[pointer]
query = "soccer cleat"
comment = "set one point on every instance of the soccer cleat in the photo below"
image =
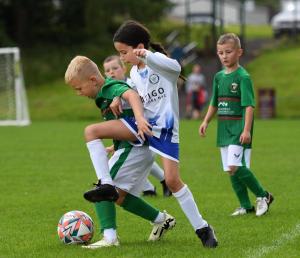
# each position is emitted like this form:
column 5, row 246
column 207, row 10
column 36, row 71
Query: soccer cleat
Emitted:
column 102, row 243
column 207, row 236
column 150, row 192
column 262, row 204
column 159, row 229
column 102, row 192
column 242, row 211
column 166, row 190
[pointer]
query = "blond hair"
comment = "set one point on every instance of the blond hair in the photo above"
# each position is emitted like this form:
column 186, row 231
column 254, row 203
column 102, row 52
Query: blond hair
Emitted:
column 225, row 38
column 81, row 67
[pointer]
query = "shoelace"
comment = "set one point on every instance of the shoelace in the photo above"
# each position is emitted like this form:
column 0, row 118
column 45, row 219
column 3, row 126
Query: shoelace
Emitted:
column 260, row 202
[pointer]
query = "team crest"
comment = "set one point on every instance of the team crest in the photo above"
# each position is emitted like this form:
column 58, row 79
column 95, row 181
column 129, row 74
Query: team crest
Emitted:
column 233, row 88
column 154, row 78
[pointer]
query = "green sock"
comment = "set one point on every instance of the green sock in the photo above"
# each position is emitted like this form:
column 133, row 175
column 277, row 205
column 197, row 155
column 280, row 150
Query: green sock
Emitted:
column 139, row 207
column 241, row 192
column 248, row 178
column 106, row 213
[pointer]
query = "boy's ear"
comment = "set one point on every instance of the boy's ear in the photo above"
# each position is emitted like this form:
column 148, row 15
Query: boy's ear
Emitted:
column 140, row 46
column 241, row 51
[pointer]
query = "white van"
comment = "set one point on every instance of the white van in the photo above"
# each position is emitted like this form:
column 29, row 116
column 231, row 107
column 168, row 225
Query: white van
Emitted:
column 287, row 21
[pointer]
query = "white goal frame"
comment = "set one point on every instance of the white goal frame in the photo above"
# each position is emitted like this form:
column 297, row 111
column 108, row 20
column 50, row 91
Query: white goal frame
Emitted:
column 21, row 116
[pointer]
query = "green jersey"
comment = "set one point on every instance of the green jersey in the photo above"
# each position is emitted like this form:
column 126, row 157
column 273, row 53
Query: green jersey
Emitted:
column 111, row 89
column 232, row 93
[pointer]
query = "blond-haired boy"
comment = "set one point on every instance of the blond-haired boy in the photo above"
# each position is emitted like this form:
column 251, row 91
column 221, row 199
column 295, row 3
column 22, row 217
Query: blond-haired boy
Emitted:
column 233, row 100
column 129, row 166
column 85, row 78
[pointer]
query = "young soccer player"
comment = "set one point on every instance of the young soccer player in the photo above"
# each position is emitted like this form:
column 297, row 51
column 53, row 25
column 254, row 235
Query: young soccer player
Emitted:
column 233, row 100
column 155, row 77
column 115, row 68
column 92, row 84
column 129, row 166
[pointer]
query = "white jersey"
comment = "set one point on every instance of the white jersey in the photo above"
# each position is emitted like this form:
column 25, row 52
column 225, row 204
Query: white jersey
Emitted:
column 157, row 86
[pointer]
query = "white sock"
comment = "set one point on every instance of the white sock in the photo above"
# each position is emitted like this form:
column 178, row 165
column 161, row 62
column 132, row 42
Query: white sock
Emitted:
column 99, row 159
column 189, row 207
column 110, row 234
column 148, row 186
column 157, row 172
column 160, row 218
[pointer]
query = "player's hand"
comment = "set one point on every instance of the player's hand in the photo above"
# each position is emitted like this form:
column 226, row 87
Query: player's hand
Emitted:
column 245, row 137
column 110, row 149
column 143, row 128
column 140, row 52
column 202, row 128
column 116, row 106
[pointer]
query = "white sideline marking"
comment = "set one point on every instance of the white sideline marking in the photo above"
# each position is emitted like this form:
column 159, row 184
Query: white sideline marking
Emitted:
column 277, row 243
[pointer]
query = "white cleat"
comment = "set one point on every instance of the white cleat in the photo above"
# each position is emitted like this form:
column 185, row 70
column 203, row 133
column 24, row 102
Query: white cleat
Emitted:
column 159, row 229
column 262, row 204
column 102, row 243
column 242, row 211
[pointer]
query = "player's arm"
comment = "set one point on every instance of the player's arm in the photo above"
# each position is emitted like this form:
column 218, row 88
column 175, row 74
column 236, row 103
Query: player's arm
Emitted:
column 209, row 115
column 136, row 104
column 158, row 61
column 246, row 134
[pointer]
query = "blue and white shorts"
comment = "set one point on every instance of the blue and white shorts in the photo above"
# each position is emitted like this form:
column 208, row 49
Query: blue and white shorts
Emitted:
column 162, row 146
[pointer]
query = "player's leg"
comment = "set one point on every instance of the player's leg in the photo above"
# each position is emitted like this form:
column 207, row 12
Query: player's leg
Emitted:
column 236, row 157
column 129, row 169
column 187, row 203
column 114, row 129
column 158, row 173
column 106, row 214
column 149, row 189
column 238, row 186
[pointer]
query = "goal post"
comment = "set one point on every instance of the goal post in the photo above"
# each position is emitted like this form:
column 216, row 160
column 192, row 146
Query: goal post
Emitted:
column 13, row 99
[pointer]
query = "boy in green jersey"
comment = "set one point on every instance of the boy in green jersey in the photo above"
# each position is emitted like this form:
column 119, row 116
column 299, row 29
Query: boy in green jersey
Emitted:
column 233, row 101
column 129, row 165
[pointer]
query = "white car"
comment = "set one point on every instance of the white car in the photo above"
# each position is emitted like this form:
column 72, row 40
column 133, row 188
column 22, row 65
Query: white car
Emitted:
column 285, row 22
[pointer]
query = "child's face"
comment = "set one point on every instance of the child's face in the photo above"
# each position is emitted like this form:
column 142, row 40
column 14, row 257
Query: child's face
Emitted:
column 229, row 54
column 114, row 69
column 87, row 88
column 126, row 53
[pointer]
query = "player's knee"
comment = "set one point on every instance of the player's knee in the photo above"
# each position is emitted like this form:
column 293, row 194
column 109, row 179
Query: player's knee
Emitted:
column 173, row 183
column 90, row 132
column 122, row 195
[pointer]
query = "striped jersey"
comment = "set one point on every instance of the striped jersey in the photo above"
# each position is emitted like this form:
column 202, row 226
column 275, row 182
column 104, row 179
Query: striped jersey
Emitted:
column 231, row 94
column 157, row 87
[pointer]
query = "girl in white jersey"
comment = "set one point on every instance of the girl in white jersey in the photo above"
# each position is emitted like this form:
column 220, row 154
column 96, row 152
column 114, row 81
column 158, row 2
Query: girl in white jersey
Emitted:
column 155, row 77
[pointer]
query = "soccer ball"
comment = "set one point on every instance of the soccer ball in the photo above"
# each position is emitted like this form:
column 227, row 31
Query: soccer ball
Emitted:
column 75, row 227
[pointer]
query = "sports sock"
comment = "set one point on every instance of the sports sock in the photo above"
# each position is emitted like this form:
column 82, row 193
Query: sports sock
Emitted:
column 110, row 234
column 106, row 214
column 241, row 192
column 157, row 172
column 189, row 207
column 160, row 218
column 99, row 159
column 139, row 207
column 248, row 178
column 148, row 186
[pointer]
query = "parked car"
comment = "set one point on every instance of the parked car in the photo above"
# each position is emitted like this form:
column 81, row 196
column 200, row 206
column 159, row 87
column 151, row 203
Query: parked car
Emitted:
column 286, row 22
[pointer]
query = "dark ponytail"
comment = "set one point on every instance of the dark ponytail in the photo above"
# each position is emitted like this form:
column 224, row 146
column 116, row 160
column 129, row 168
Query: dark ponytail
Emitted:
column 132, row 33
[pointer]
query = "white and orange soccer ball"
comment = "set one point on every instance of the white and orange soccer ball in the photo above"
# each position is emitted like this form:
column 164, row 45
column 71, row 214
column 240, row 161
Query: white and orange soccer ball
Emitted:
column 75, row 227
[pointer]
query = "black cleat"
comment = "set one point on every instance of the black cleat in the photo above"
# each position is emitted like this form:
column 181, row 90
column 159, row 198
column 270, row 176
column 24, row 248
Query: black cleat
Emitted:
column 207, row 236
column 102, row 192
column 166, row 190
column 150, row 192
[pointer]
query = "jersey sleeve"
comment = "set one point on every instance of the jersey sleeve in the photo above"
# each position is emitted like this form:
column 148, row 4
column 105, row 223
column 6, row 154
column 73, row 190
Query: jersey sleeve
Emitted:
column 119, row 89
column 247, row 93
column 161, row 63
column 214, row 97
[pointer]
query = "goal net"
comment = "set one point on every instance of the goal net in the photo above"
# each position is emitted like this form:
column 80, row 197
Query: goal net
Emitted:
column 13, row 100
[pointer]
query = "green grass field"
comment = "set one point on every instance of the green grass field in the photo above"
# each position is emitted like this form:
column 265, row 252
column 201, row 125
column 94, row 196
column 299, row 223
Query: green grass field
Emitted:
column 45, row 168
